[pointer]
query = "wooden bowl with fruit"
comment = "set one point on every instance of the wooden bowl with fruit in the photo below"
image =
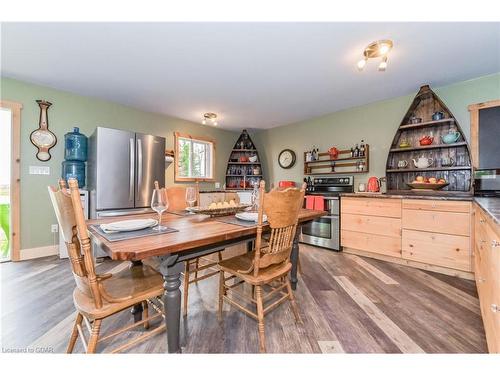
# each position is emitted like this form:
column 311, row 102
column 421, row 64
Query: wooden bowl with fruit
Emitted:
column 427, row 183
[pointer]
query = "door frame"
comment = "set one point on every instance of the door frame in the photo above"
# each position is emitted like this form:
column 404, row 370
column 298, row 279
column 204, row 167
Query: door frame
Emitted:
column 474, row 127
column 15, row 178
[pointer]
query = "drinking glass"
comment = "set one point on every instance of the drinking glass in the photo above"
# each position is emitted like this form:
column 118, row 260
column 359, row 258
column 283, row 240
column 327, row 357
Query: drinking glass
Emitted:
column 159, row 203
column 190, row 196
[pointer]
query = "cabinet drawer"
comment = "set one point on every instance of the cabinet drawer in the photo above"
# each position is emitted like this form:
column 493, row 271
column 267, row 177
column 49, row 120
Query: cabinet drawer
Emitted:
column 435, row 248
column 386, row 226
column 387, row 207
column 437, row 205
column 439, row 222
column 374, row 243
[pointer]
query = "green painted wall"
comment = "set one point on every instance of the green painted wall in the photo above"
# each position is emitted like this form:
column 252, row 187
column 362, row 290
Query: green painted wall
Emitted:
column 69, row 110
column 376, row 123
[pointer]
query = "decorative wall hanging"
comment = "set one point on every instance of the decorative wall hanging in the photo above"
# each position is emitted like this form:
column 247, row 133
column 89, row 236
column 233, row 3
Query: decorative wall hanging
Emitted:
column 42, row 138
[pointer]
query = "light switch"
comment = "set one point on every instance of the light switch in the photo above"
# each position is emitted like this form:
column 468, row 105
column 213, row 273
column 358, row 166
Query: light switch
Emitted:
column 36, row 169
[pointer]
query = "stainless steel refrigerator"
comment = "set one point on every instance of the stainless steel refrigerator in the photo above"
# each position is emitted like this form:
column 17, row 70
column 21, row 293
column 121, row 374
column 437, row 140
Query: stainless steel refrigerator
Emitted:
column 122, row 167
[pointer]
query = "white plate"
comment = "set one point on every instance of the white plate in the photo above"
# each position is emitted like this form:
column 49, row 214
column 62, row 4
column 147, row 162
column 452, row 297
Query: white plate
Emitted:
column 129, row 225
column 250, row 216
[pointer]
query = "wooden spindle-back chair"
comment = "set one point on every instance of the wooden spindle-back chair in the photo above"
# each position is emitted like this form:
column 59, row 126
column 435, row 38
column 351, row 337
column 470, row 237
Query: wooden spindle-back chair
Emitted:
column 177, row 202
column 98, row 296
column 269, row 262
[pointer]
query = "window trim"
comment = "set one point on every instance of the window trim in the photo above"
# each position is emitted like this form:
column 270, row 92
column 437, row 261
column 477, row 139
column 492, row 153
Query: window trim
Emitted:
column 15, row 178
column 177, row 177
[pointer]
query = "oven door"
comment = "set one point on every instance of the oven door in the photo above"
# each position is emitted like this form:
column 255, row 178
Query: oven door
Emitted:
column 323, row 232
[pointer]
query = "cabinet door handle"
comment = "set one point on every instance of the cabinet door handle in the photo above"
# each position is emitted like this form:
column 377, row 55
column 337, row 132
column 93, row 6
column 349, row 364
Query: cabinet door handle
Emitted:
column 482, row 221
column 495, row 243
column 494, row 308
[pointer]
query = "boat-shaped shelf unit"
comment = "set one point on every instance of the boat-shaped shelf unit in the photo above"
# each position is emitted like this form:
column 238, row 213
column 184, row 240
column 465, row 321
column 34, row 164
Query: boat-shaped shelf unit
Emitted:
column 450, row 161
column 244, row 168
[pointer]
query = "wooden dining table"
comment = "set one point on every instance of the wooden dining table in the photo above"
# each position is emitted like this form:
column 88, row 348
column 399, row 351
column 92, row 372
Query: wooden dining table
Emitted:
column 196, row 235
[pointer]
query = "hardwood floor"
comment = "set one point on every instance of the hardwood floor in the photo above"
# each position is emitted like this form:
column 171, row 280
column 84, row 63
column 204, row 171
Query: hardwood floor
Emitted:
column 348, row 304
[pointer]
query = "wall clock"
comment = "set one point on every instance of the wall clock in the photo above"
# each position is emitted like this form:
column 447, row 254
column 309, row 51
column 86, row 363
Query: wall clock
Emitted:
column 42, row 138
column 286, row 158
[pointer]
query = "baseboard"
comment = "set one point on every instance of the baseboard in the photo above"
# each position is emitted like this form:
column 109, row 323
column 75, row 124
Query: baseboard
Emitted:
column 38, row 252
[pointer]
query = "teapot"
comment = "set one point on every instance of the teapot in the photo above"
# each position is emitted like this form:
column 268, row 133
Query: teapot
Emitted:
column 451, row 137
column 426, row 140
column 422, row 162
column 404, row 143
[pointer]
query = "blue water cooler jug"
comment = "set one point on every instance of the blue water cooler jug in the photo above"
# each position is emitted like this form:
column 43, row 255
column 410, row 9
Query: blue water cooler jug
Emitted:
column 75, row 146
column 75, row 155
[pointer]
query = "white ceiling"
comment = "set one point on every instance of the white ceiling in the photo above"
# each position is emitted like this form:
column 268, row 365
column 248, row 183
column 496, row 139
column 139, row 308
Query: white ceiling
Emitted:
column 255, row 75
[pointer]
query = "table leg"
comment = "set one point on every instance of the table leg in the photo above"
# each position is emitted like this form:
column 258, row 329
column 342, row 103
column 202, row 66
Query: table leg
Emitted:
column 137, row 309
column 294, row 257
column 171, row 270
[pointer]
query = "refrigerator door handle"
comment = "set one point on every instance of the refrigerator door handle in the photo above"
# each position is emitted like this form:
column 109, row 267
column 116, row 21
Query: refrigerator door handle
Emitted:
column 139, row 164
column 131, row 170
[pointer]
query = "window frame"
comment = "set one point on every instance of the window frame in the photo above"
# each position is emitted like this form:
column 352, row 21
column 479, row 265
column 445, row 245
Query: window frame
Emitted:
column 177, row 177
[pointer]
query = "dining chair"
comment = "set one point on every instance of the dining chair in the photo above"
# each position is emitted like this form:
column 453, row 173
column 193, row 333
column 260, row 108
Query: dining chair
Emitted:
column 269, row 262
column 99, row 296
column 177, row 202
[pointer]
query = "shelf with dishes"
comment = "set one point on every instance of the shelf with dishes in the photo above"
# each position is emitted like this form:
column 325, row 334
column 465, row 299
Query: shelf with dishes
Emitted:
column 337, row 161
column 244, row 169
column 429, row 145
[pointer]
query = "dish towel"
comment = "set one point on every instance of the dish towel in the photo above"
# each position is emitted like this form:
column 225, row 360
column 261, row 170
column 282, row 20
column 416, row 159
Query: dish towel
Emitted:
column 310, row 202
column 319, row 203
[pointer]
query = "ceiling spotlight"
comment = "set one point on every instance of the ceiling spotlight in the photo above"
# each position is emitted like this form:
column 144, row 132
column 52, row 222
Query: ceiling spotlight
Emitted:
column 376, row 49
column 209, row 116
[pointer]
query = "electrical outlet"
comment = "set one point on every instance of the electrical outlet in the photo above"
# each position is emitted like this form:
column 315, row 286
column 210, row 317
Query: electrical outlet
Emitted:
column 54, row 228
column 217, row 185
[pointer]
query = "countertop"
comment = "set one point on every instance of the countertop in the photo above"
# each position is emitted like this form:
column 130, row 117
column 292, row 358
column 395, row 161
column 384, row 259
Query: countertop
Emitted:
column 464, row 197
column 490, row 206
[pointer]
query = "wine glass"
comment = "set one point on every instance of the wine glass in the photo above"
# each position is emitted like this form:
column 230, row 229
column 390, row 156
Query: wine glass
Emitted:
column 159, row 203
column 190, row 195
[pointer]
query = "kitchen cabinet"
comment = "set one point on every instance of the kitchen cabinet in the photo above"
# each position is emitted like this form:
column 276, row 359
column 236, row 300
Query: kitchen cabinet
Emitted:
column 431, row 234
column 487, row 274
column 371, row 224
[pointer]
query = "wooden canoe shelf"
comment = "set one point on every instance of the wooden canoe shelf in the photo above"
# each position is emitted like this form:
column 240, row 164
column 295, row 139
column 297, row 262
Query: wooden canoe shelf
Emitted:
column 240, row 174
column 406, row 170
column 341, row 162
column 427, row 123
column 459, row 176
column 430, row 147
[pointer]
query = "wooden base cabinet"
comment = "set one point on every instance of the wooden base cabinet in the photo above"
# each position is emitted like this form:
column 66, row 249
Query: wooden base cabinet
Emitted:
column 425, row 233
column 487, row 274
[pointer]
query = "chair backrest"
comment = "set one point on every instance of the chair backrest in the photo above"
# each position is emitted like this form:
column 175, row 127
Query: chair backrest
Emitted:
column 177, row 197
column 69, row 213
column 281, row 207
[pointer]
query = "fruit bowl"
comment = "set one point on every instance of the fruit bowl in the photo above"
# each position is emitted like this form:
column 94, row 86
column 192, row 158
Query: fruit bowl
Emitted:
column 427, row 185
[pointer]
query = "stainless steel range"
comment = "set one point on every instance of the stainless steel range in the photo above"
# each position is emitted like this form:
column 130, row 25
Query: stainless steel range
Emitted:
column 325, row 231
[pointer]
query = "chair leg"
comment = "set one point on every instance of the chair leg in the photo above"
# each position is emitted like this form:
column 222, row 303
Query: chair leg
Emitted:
column 221, row 293
column 145, row 313
column 299, row 267
column 260, row 315
column 186, row 288
column 74, row 334
column 295, row 309
column 197, row 264
column 94, row 336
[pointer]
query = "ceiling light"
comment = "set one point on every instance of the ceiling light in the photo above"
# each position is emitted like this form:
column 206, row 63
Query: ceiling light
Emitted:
column 210, row 116
column 376, row 49
column 383, row 65
column 361, row 64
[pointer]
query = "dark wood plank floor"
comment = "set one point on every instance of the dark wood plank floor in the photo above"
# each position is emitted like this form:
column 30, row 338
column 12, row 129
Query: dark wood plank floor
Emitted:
column 348, row 304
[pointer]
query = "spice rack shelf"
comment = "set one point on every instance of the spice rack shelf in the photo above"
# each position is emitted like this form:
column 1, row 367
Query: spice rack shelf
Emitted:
column 344, row 160
column 240, row 175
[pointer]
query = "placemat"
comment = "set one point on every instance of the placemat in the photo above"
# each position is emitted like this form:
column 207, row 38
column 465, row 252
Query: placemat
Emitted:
column 234, row 220
column 120, row 236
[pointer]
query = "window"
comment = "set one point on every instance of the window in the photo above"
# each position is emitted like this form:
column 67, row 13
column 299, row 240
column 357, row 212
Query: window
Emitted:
column 195, row 158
